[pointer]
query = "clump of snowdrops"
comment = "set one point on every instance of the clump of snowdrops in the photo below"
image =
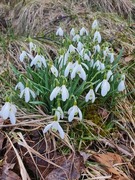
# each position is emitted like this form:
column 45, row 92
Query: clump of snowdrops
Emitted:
column 84, row 70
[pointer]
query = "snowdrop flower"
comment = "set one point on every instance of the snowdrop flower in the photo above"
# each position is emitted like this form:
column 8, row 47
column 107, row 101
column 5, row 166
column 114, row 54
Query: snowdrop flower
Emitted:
column 55, row 92
column 82, row 52
column 97, row 37
column 86, row 57
column 78, row 70
column 96, row 48
column 68, row 69
column 55, row 126
column 59, row 113
column 9, row 110
column 76, row 38
column 106, row 52
column 97, row 65
column 60, row 90
column 111, row 55
column 90, row 96
column 38, row 60
column 95, row 24
column 19, row 86
column 32, row 47
column 59, row 32
column 23, row 56
column 61, row 61
column 83, row 31
column 54, row 70
column 109, row 74
column 72, row 32
column 27, row 92
column 64, row 93
column 71, row 48
column 121, row 85
column 105, row 87
column 66, row 56
column 91, row 62
column 102, row 66
column 79, row 46
column 73, row 111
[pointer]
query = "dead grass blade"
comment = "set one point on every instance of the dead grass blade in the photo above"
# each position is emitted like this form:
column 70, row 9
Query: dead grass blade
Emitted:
column 23, row 171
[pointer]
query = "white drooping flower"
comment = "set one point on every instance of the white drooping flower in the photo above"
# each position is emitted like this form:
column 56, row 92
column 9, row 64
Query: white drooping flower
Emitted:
column 60, row 90
column 97, row 64
column 66, row 56
column 9, row 110
column 72, row 32
column 55, row 126
column 68, row 69
column 55, row 92
column 38, row 60
column 73, row 111
column 59, row 32
column 19, row 86
column 64, row 93
column 121, row 85
column 76, row 38
column 97, row 37
column 111, row 55
column 27, row 92
column 109, row 74
column 106, row 51
column 105, row 87
column 61, row 61
column 83, row 31
column 79, row 46
column 59, row 113
column 95, row 24
column 23, row 56
column 32, row 47
column 71, row 48
column 78, row 69
column 90, row 96
column 86, row 57
column 96, row 48
column 54, row 70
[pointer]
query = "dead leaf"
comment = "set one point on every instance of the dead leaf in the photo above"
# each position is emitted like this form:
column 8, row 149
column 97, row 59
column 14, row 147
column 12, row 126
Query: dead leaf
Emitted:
column 72, row 168
column 108, row 161
column 129, row 58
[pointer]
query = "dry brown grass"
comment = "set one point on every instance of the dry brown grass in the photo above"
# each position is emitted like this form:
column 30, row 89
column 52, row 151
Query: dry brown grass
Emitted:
column 122, row 7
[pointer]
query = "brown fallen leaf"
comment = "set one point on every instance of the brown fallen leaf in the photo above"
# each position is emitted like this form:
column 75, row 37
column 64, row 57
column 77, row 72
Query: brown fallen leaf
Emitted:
column 72, row 168
column 129, row 58
column 108, row 161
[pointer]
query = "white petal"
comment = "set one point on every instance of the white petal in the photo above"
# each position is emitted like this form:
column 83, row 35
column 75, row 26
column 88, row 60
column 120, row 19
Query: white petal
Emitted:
column 27, row 94
column 55, row 92
column 80, row 114
column 95, row 24
column 87, row 97
column 72, row 32
column 5, row 110
column 105, row 87
column 121, row 86
column 71, row 115
column 47, row 128
column 32, row 93
column 12, row 117
column 54, row 71
column 82, row 73
column 61, row 132
column 59, row 32
column 23, row 55
column 20, row 86
column 65, row 93
column 76, row 38
column 98, row 86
